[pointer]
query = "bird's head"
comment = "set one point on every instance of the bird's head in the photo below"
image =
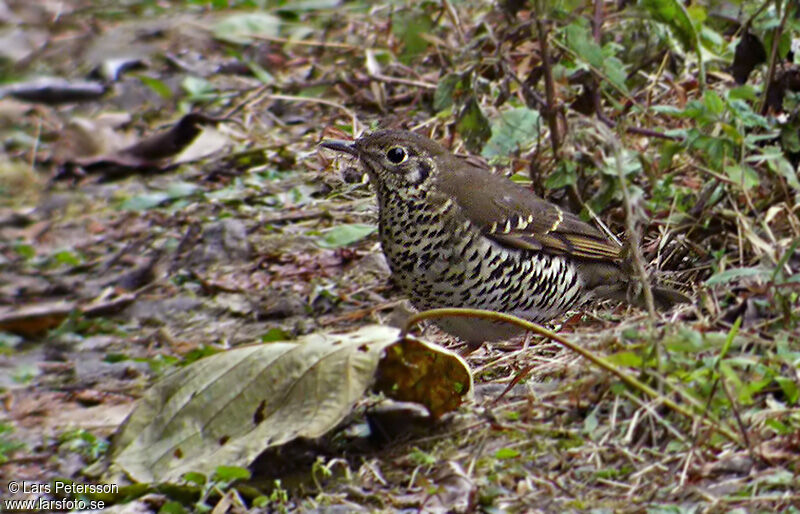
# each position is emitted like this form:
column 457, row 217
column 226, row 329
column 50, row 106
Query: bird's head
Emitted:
column 396, row 160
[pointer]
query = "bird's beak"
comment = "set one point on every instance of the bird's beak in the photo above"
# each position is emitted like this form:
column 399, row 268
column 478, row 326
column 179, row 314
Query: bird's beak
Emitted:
column 340, row 146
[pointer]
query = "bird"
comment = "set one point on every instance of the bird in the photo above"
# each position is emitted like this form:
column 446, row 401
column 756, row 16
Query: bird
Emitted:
column 457, row 235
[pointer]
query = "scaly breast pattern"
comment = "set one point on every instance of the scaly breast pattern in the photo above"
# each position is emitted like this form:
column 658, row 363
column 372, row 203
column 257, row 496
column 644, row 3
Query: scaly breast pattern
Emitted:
column 440, row 259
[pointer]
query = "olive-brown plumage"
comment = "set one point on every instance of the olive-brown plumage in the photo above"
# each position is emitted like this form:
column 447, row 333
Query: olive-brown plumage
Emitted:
column 457, row 235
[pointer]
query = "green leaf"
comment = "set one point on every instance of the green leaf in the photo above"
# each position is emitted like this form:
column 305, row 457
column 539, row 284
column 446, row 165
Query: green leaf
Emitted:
column 674, row 15
column 409, row 28
column 591, row 423
column 778, row 426
column 473, row 125
column 174, row 191
column 625, row 358
column 789, row 388
column 260, row 73
column 783, row 168
column 68, row 257
column 713, row 103
column 443, row 97
column 182, row 189
column 8, row 445
column 230, row 473
column 779, row 477
column 198, row 88
column 522, row 179
column 195, row 478
column 344, row 235
column 308, row 5
column 161, row 88
column 697, row 13
column 743, row 175
column 745, row 113
column 669, row 110
column 25, row 251
column 743, row 92
column 172, row 507
column 9, row 341
column 506, row 453
column 513, row 129
column 580, row 41
column 669, row 149
column 240, row 28
column 732, row 275
column 145, row 201
column 614, row 69
column 564, row 175
column 687, row 340
column 752, row 388
column 420, row 458
column 790, row 138
column 275, row 334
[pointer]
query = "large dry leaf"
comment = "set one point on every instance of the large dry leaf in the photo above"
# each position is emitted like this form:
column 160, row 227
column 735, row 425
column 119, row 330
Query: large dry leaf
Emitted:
column 228, row 408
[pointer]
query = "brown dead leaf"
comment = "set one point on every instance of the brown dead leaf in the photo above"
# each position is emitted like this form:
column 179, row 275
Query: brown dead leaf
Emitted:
column 415, row 371
column 152, row 153
column 34, row 320
column 168, row 143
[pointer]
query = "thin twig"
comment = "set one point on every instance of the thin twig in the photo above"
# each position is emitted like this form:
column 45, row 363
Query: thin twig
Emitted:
column 602, row 224
column 773, row 56
column 651, row 133
column 406, row 82
column 531, row 97
column 549, row 89
column 523, row 373
column 252, row 97
column 36, row 141
column 594, row 84
column 757, row 13
column 454, row 19
column 597, row 21
column 583, row 352
column 325, row 44
column 738, row 418
column 630, row 224
column 331, row 103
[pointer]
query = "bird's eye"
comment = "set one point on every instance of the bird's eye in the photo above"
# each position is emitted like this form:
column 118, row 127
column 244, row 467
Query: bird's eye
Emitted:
column 396, row 155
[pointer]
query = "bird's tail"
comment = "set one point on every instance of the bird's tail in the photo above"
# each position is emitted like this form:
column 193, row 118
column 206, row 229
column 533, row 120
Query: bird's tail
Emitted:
column 664, row 298
column 612, row 283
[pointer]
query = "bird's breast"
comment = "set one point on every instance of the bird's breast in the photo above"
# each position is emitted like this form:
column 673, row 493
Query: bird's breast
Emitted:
column 440, row 259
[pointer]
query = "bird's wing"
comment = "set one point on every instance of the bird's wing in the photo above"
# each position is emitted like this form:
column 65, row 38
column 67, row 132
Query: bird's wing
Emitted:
column 517, row 218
